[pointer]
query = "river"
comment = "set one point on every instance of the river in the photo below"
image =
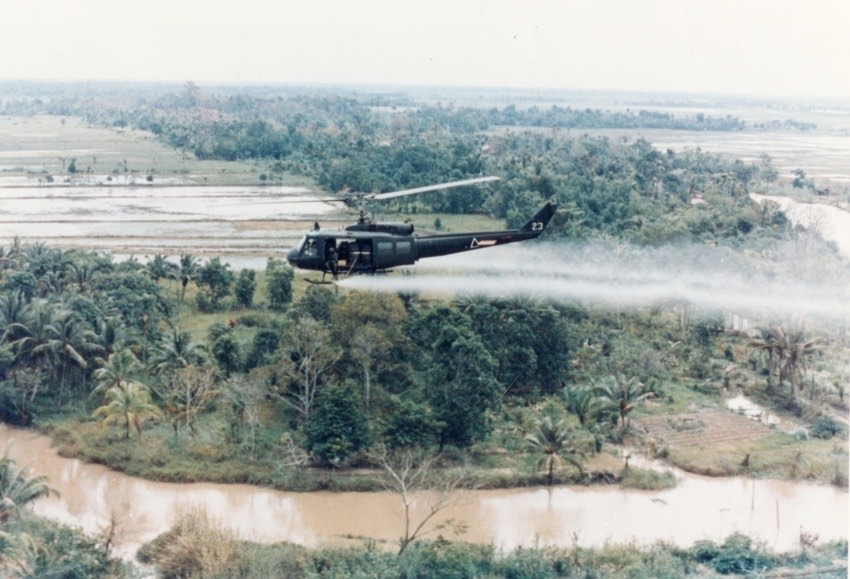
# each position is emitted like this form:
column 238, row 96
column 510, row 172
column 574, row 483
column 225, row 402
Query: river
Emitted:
column 698, row 508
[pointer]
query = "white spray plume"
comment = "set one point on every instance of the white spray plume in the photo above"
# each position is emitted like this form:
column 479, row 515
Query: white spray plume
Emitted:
column 789, row 280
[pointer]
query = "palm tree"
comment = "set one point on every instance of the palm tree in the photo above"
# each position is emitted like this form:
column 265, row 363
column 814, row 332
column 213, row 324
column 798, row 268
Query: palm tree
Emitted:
column 116, row 372
column 82, row 274
column 130, row 403
column 186, row 271
column 175, row 351
column 111, row 335
column 552, row 442
column 30, row 337
column 787, row 349
column 624, row 395
column 13, row 310
column 69, row 341
column 16, row 489
column 582, row 403
column 159, row 267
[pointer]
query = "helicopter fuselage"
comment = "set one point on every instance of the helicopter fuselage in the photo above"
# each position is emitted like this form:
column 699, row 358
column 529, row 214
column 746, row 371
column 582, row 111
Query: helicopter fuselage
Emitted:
column 367, row 247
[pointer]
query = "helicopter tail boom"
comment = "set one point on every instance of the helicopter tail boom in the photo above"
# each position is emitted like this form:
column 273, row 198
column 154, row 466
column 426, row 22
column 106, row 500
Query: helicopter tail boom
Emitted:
column 436, row 245
column 539, row 222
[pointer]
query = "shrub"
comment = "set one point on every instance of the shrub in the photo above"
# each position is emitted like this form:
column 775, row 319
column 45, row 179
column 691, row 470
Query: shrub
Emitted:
column 647, row 479
column 800, row 433
column 825, row 427
column 196, row 546
column 441, row 558
column 736, row 555
column 279, row 284
column 705, row 551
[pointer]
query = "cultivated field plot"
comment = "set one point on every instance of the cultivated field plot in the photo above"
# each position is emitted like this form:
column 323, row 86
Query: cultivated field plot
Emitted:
column 700, row 429
column 129, row 194
column 31, row 148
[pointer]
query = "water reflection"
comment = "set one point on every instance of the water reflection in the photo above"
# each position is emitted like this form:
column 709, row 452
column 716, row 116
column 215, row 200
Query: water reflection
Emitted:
column 698, row 508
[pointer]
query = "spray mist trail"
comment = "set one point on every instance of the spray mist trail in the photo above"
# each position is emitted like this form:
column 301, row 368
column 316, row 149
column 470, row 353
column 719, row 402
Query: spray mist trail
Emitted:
column 618, row 275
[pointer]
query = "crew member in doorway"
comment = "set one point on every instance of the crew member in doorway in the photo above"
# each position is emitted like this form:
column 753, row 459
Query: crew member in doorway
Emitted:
column 333, row 261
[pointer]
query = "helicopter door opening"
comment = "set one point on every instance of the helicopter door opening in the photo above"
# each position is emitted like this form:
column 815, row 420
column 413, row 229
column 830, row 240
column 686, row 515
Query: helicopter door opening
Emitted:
column 361, row 254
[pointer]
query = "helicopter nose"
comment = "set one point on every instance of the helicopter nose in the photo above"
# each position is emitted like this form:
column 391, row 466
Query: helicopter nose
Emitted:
column 292, row 257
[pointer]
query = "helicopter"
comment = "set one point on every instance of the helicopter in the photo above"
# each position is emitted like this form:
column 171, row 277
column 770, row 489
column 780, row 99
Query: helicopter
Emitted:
column 370, row 246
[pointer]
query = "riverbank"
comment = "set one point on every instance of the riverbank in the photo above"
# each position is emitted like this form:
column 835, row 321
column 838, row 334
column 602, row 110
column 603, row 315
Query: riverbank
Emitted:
column 708, row 442
column 158, row 456
column 199, row 546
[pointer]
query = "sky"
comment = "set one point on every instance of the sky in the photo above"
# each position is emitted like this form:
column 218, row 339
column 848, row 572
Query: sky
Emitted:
column 754, row 47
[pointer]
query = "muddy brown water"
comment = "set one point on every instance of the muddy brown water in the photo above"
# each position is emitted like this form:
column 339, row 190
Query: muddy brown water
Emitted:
column 698, row 508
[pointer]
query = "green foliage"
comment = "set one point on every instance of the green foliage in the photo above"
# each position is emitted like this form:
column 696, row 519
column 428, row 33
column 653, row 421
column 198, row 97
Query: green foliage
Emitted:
column 17, row 489
column 621, row 396
column 187, row 269
column 225, row 350
column 461, row 377
column 825, row 427
column 23, row 282
column 159, row 267
column 130, row 403
column 647, row 479
column 337, row 427
column 246, row 284
column 217, row 330
column 410, row 426
column 265, row 344
column 736, row 555
column 136, row 298
column 279, row 284
column 318, row 302
column 552, row 444
column 60, row 551
column 529, row 341
column 179, row 553
column 214, row 280
column 441, row 558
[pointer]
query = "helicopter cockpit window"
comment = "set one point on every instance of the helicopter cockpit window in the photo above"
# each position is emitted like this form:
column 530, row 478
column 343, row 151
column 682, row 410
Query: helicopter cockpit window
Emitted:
column 308, row 248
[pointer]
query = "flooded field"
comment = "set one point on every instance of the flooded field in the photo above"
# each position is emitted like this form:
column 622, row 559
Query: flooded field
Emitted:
column 698, row 508
column 205, row 220
column 825, row 157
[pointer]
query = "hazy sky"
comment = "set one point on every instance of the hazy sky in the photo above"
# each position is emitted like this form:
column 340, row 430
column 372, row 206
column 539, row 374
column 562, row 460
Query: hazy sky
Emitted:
column 767, row 47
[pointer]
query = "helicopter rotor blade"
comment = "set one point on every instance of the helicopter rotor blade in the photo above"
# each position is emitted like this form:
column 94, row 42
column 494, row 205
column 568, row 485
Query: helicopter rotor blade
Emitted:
column 439, row 187
column 281, row 201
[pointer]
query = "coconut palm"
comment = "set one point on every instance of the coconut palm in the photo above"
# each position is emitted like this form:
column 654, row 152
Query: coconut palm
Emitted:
column 116, row 372
column 583, row 403
column 13, row 310
column 552, row 442
column 111, row 335
column 623, row 395
column 17, row 490
column 186, row 271
column 30, row 337
column 788, row 350
column 70, row 341
column 175, row 351
column 82, row 274
column 130, row 404
column 159, row 267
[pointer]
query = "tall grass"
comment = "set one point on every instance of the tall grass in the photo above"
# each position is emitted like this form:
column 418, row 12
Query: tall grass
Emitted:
column 198, row 546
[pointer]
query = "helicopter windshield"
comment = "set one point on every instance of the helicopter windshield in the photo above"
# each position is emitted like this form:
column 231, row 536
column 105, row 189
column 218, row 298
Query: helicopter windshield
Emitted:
column 307, row 247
